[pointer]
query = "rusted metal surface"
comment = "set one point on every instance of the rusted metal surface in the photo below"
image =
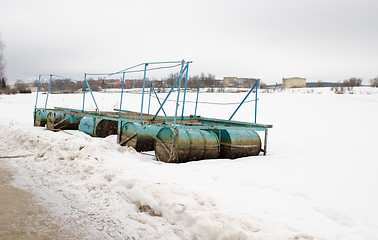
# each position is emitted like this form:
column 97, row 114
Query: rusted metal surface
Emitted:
column 98, row 127
column 106, row 128
column 238, row 142
column 40, row 118
column 63, row 121
column 194, row 138
column 265, row 142
column 182, row 145
column 140, row 137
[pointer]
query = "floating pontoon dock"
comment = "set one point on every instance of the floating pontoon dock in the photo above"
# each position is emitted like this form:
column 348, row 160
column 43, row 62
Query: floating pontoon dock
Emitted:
column 173, row 138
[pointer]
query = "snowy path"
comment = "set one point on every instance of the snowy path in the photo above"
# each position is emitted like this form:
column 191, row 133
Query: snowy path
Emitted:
column 318, row 181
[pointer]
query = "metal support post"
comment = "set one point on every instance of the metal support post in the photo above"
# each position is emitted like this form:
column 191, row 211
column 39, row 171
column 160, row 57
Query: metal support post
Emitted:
column 120, row 103
column 36, row 96
column 149, row 99
column 256, row 101
column 183, row 101
column 169, row 93
column 48, row 91
column 94, row 100
column 265, row 141
column 195, row 110
column 178, row 96
column 85, row 83
column 243, row 100
column 144, row 83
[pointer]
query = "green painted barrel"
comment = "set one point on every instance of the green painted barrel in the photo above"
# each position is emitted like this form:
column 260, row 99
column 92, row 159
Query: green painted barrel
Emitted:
column 140, row 137
column 62, row 120
column 183, row 145
column 98, row 127
column 87, row 125
column 40, row 118
column 238, row 142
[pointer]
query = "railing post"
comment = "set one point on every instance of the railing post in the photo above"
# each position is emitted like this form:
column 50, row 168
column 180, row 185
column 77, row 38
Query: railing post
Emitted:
column 48, row 91
column 195, row 110
column 36, row 97
column 94, row 100
column 265, row 141
column 178, row 95
column 256, row 101
column 85, row 83
column 169, row 93
column 183, row 101
column 243, row 100
column 144, row 83
column 120, row 103
column 149, row 99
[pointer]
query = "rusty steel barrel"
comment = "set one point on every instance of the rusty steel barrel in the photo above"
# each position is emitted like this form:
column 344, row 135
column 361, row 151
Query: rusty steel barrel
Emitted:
column 238, row 142
column 40, row 118
column 140, row 137
column 182, row 145
column 61, row 120
column 98, row 127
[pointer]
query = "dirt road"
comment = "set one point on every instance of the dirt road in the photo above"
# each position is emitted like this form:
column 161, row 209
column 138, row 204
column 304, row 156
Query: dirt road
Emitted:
column 22, row 217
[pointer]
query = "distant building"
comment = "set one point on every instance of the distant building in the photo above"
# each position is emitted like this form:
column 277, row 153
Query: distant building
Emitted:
column 239, row 82
column 109, row 83
column 294, row 82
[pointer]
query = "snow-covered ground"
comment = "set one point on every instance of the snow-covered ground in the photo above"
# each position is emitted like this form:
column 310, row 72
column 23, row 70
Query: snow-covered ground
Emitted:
column 318, row 181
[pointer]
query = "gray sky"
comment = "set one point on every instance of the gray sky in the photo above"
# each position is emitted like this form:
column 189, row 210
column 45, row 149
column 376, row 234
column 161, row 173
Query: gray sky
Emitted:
column 322, row 40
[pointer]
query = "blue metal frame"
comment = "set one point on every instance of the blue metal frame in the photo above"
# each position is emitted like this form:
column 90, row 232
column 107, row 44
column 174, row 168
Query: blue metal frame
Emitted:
column 90, row 90
column 158, row 99
column 178, row 94
column 144, row 83
column 149, row 99
column 85, row 80
column 48, row 91
column 169, row 93
column 186, row 83
column 140, row 64
column 120, row 103
column 256, row 102
column 94, row 100
column 86, row 84
column 36, row 96
column 195, row 110
column 255, row 85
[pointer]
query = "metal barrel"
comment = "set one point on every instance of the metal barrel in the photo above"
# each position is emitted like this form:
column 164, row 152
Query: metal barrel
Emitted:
column 40, row 118
column 237, row 142
column 140, row 137
column 182, row 145
column 61, row 120
column 87, row 125
column 106, row 128
column 98, row 127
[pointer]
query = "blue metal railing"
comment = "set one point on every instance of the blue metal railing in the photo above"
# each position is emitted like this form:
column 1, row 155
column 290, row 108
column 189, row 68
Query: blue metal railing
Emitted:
column 173, row 87
column 254, row 86
column 195, row 110
column 144, row 83
column 36, row 97
column 183, row 101
column 48, row 91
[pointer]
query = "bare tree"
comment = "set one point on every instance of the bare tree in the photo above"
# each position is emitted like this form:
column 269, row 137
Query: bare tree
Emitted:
column 2, row 61
column 374, row 82
column 20, row 86
column 352, row 82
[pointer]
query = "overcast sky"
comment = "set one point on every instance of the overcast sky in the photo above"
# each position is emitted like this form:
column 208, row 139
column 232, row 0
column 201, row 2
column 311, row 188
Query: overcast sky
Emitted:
column 328, row 40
